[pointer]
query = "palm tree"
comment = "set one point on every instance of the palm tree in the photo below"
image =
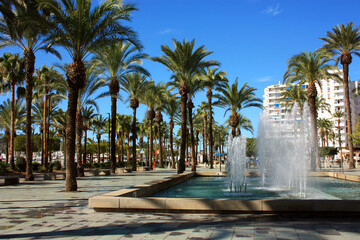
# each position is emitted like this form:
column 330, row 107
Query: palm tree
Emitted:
column 49, row 83
column 171, row 108
column 100, row 26
column 338, row 115
column 344, row 41
column 116, row 61
column 135, row 84
column 184, row 62
column 202, row 110
column 310, row 68
column 24, row 26
column 161, row 91
column 11, row 73
column 7, row 110
column 88, row 119
column 234, row 99
column 98, row 126
column 211, row 79
column 324, row 126
column 149, row 100
column 60, row 126
column 294, row 93
column 244, row 123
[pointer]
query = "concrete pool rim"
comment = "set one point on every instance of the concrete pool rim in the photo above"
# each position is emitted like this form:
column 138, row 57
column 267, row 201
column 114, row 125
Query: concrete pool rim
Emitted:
column 135, row 199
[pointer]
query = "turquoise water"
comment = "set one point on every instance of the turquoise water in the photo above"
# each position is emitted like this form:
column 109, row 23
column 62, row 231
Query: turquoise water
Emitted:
column 217, row 187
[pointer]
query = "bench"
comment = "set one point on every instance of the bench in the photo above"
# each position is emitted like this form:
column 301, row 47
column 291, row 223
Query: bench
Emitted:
column 54, row 175
column 128, row 170
column 104, row 172
column 147, row 168
column 10, row 180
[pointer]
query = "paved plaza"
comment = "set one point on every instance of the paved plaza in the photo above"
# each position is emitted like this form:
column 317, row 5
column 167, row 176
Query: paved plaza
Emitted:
column 41, row 210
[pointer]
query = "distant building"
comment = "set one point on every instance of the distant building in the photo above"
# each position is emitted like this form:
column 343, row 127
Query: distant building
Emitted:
column 331, row 91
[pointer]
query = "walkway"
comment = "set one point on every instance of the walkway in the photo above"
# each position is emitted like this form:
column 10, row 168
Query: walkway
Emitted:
column 40, row 210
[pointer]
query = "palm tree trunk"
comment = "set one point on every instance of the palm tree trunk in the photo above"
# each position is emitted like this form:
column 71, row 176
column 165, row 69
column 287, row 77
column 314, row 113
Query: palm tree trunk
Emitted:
column 76, row 79
column 113, row 134
column 211, row 142
column 7, row 153
column 183, row 90
column 171, row 144
column 151, row 143
column 192, row 139
column 70, row 180
column 79, row 123
column 44, row 128
column 122, row 149
column 128, row 149
column 85, row 143
column 315, row 160
column 134, row 140
column 29, row 58
column 12, row 132
column 348, row 114
column 98, row 150
column 158, row 120
column 205, row 160
column 119, row 149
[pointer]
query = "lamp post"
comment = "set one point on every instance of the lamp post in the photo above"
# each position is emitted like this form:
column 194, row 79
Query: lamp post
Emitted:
column 109, row 136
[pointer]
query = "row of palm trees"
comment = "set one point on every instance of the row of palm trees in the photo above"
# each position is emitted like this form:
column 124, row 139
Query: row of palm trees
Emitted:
column 116, row 60
column 310, row 67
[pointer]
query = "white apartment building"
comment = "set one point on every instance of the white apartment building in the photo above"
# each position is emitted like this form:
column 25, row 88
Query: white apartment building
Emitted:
column 331, row 91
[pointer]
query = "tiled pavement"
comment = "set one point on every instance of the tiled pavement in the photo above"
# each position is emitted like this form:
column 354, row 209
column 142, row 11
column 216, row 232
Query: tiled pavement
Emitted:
column 40, row 210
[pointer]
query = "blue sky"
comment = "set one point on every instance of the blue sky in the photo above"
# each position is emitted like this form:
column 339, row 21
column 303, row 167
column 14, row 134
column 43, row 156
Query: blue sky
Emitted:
column 253, row 39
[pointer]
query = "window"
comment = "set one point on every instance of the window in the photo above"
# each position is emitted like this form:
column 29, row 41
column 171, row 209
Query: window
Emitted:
column 277, row 105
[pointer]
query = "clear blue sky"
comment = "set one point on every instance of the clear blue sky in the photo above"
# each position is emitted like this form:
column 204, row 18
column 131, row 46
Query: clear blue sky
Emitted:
column 253, row 39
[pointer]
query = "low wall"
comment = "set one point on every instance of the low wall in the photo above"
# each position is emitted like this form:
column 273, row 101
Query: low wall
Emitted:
column 135, row 199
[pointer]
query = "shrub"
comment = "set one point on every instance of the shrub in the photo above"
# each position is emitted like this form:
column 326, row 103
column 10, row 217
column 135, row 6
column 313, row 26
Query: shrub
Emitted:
column 56, row 165
column 95, row 165
column 20, row 164
column 105, row 165
column 3, row 168
column 120, row 164
column 36, row 166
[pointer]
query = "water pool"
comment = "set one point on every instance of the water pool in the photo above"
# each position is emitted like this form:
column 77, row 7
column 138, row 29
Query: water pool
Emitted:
column 217, row 188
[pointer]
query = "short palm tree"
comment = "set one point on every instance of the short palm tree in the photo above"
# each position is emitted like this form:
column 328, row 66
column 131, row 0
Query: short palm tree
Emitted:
column 203, row 111
column 135, row 84
column 234, row 99
column 293, row 93
column 7, row 110
column 211, row 79
column 310, row 68
column 325, row 126
column 100, row 26
column 343, row 41
column 98, row 127
column 160, row 97
column 172, row 109
column 23, row 25
column 88, row 117
column 49, row 83
column 116, row 61
column 11, row 74
column 184, row 61
column 338, row 115
column 149, row 100
column 60, row 126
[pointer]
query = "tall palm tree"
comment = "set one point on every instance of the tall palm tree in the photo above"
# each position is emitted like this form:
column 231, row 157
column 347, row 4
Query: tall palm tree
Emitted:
column 149, row 100
column 343, row 41
column 203, row 110
column 100, row 26
column 293, row 93
column 135, row 84
column 234, row 99
column 7, row 110
column 310, row 67
column 89, row 115
column 116, row 61
column 24, row 25
column 172, row 108
column 184, row 61
column 11, row 73
column 211, row 79
column 98, row 126
column 48, row 83
column 338, row 115
column 60, row 126
column 161, row 92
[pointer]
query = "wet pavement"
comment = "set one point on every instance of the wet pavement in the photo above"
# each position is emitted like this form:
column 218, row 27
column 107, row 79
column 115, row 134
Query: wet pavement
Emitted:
column 41, row 210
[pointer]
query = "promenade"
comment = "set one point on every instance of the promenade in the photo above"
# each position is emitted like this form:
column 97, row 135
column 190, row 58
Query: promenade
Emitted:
column 41, row 210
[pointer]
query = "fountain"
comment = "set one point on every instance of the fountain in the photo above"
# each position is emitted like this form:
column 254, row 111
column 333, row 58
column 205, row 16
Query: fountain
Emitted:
column 285, row 150
column 236, row 163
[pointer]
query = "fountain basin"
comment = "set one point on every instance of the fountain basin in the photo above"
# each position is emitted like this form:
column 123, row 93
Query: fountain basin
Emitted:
column 136, row 199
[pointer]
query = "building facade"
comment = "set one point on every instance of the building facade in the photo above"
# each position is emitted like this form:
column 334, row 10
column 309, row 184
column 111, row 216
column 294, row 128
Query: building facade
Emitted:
column 333, row 94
